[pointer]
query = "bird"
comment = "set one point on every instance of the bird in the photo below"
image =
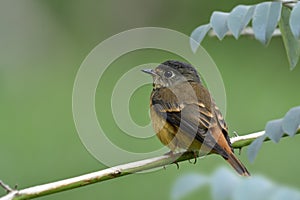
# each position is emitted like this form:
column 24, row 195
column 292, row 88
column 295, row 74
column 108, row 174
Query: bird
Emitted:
column 185, row 116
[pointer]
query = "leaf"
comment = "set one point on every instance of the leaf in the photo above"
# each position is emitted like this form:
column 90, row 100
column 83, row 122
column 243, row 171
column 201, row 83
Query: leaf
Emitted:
column 186, row 184
column 239, row 18
column 226, row 184
column 265, row 18
column 285, row 193
column 257, row 188
column 274, row 130
column 254, row 148
column 218, row 22
column 292, row 45
column 198, row 35
column 221, row 191
column 294, row 21
column 291, row 121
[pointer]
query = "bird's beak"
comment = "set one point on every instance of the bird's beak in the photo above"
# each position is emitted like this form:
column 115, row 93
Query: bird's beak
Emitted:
column 149, row 71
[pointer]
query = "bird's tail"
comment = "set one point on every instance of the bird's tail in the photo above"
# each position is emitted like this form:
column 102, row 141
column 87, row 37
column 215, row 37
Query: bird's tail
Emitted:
column 237, row 165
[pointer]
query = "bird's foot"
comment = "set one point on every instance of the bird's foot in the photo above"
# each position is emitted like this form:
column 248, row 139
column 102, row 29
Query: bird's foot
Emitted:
column 176, row 163
column 171, row 153
column 196, row 153
column 235, row 134
column 240, row 150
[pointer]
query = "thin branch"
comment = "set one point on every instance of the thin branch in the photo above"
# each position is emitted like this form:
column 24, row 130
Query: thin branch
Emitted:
column 248, row 31
column 5, row 187
column 289, row 4
column 115, row 172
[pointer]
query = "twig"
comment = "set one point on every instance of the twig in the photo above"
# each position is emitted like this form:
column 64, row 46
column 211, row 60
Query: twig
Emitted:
column 248, row 31
column 289, row 4
column 115, row 172
column 5, row 187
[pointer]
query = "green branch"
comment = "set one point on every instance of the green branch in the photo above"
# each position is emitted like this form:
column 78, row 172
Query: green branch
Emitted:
column 115, row 172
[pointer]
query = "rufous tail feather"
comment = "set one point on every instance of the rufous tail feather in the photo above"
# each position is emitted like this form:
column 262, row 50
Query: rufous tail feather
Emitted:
column 237, row 165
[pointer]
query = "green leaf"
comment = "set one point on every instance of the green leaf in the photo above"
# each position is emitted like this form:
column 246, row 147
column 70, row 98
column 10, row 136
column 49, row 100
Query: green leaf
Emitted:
column 258, row 188
column 198, row 35
column 291, row 121
column 186, row 184
column 226, row 184
column 254, row 148
column 265, row 19
column 285, row 193
column 274, row 130
column 221, row 191
column 239, row 18
column 291, row 44
column 218, row 22
column 294, row 20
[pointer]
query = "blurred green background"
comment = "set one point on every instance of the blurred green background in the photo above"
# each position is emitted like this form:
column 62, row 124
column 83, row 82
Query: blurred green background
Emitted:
column 43, row 43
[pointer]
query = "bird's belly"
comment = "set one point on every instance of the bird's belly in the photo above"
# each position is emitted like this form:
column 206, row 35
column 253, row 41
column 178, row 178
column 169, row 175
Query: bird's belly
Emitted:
column 171, row 136
column 175, row 139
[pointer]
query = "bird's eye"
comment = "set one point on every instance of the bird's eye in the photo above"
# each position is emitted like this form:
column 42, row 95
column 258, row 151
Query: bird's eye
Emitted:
column 168, row 74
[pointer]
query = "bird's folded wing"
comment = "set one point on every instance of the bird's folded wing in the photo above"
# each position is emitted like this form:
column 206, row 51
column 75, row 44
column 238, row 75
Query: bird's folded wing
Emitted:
column 193, row 119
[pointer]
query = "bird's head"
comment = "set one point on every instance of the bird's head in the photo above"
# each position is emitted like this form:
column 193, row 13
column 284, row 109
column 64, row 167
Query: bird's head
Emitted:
column 171, row 73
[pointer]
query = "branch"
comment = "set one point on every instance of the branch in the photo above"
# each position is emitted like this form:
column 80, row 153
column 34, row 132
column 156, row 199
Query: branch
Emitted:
column 115, row 172
column 248, row 31
column 289, row 4
column 5, row 187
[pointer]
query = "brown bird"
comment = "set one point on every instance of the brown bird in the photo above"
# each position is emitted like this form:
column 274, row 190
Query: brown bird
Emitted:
column 184, row 115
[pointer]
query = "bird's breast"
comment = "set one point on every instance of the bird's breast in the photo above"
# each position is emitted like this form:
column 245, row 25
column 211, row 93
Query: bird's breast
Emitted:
column 164, row 131
column 171, row 136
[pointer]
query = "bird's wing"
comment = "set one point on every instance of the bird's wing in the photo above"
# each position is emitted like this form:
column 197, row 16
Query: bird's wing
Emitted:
column 193, row 119
column 222, row 124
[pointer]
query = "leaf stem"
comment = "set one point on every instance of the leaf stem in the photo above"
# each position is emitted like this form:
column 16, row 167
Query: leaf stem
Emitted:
column 248, row 31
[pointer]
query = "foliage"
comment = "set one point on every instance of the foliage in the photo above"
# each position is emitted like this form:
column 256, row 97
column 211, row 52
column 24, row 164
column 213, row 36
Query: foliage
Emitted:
column 225, row 184
column 265, row 17
column 292, row 44
column 275, row 129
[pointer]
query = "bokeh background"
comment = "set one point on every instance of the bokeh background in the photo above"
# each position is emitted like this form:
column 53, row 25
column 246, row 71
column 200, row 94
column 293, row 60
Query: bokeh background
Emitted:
column 43, row 43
